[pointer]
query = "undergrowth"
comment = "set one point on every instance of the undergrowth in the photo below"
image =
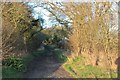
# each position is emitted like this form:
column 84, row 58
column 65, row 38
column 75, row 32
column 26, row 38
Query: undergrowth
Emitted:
column 13, row 66
column 59, row 54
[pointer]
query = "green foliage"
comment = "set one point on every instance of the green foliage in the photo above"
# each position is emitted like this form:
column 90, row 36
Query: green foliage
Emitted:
column 14, row 62
column 51, row 39
column 35, row 42
column 59, row 54
column 14, row 66
column 87, row 71
column 56, row 38
column 54, row 35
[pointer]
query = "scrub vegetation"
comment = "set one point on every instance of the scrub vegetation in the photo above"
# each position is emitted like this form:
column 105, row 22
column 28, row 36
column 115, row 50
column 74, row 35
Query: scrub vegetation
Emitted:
column 82, row 41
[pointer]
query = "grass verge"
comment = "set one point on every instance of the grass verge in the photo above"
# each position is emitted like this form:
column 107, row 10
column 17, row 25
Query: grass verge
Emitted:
column 8, row 72
column 77, row 69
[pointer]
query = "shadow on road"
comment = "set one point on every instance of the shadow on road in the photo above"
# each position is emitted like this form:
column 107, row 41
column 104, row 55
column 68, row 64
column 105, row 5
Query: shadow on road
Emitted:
column 45, row 67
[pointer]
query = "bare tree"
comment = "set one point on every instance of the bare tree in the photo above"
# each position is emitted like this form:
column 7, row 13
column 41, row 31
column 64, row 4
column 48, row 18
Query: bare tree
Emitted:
column 14, row 16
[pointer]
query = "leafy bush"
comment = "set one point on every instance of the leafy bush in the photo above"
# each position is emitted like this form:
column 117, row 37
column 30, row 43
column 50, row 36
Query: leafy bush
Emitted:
column 35, row 42
column 14, row 62
column 60, row 55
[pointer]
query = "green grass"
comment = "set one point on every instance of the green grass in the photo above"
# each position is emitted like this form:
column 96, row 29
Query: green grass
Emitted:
column 78, row 69
column 8, row 72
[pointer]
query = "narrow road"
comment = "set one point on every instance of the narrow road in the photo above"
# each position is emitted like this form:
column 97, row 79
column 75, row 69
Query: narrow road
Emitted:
column 46, row 67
